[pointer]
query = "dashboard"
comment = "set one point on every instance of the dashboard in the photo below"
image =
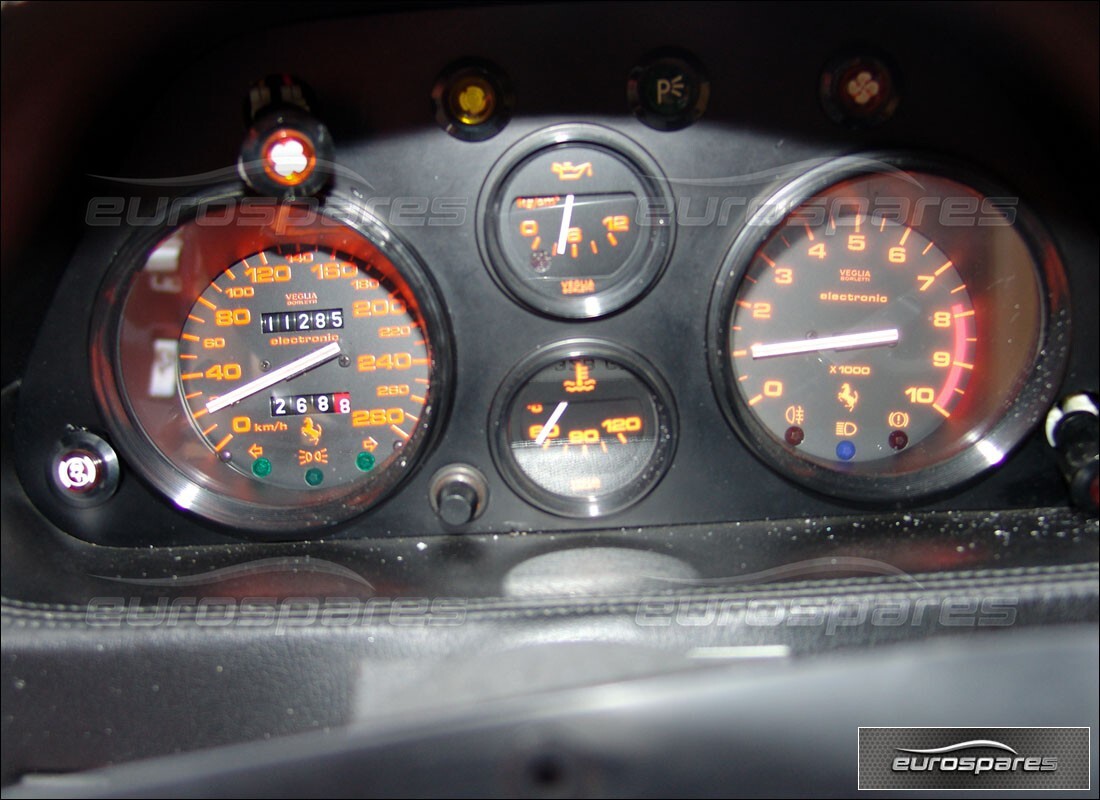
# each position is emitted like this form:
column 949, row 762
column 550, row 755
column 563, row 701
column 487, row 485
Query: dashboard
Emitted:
column 497, row 346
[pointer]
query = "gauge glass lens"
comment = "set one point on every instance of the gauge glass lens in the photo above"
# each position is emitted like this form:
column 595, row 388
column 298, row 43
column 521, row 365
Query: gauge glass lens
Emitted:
column 872, row 343
column 871, row 352
column 303, row 367
column 577, row 229
column 272, row 368
column 586, row 430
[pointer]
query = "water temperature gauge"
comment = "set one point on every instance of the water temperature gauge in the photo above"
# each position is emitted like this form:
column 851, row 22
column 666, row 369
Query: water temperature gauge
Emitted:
column 583, row 428
column 579, row 224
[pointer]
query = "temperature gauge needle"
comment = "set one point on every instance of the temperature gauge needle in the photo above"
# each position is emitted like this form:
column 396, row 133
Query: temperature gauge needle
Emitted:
column 550, row 423
column 283, row 373
column 847, row 341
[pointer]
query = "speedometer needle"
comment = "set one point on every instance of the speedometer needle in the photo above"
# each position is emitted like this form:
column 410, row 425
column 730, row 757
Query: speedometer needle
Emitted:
column 847, row 341
column 283, row 373
column 566, row 218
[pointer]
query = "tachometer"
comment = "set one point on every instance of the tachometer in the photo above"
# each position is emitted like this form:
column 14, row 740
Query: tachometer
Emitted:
column 272, row 367
column 873, row 350
column 873, row 342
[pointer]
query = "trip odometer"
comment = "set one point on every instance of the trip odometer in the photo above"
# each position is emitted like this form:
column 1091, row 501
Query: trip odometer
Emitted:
column 272, row 368
column 302, row 366
column 872, row 342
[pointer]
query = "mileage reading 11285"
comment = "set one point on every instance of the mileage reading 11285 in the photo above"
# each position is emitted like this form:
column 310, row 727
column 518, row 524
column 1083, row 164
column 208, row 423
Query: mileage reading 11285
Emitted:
column 295, row 321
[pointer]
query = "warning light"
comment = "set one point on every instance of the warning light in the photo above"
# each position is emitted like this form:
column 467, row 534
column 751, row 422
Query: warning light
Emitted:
column 84, row 469
column 846, row 428
column 472, row 100
column 669, row 90
column 898, row 419
column 863, row 87
column 568, row 171
column 77, row 472
column 288, row 156
column 581, row 381
column 313, row 456
column 859, row 91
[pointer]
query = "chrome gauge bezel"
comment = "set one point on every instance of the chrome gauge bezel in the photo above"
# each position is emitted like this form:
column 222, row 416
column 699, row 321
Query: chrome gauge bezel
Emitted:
column 987, row 444
column 232, row 499
column 646, row 265
column 593, row 505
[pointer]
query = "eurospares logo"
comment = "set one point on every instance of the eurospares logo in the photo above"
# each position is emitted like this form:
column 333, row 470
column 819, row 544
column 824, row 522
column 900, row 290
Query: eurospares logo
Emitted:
column 974, row 758
column 938, row 759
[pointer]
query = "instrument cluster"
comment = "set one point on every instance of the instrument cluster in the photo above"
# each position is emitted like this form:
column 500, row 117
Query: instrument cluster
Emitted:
column 846, row 328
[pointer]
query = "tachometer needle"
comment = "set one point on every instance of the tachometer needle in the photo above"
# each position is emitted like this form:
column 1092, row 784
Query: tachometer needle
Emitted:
column 566, row 218
column 550, row 423
column 283, row 373
column 847, row 341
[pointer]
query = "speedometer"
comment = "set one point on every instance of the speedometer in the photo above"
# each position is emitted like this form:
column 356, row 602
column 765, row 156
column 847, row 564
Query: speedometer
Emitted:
column 881, row 331
column 303, row 365
column 269, row 367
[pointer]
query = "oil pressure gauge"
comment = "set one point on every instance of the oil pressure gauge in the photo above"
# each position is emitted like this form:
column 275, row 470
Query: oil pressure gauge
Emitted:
column 583, row 428
column 578, row 223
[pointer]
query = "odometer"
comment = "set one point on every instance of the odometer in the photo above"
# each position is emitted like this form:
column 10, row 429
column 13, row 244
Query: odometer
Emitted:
column 872, row 342
column 308, row 320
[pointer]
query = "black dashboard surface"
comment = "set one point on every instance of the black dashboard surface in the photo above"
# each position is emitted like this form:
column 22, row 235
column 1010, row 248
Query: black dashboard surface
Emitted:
column 997, row 90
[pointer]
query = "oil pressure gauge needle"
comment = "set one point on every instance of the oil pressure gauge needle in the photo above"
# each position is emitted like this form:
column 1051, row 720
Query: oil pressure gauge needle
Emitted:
column 566, row 218
column 283, row 373
column 847, row 341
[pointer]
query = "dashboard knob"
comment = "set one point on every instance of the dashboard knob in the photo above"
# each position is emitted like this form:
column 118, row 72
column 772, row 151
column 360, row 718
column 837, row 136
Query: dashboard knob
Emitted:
column 457, row 503
column 459, row 494
column 1073, row 430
